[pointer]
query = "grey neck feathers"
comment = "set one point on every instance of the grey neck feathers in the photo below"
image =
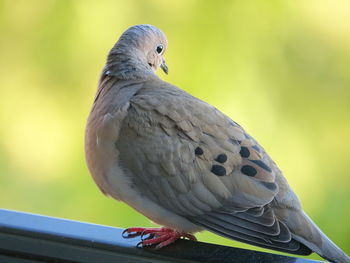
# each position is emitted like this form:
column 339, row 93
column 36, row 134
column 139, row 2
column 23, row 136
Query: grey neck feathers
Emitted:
column 127, row 63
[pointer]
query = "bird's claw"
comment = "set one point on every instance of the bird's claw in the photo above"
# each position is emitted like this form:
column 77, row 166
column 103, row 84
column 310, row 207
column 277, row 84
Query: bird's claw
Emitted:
column 130, row 234
column 158, row 237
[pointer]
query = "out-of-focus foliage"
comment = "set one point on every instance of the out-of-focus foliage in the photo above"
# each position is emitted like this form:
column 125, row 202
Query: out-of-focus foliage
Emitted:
column 279, row 68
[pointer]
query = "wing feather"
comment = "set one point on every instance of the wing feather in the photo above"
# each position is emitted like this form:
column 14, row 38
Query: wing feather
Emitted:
column 207, row 168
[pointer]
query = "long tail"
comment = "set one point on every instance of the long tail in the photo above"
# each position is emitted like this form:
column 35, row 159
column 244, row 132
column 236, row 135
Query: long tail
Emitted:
column 305, row 231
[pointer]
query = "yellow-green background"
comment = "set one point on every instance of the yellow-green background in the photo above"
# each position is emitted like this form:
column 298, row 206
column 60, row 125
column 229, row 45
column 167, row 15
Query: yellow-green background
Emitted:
column 279, row 68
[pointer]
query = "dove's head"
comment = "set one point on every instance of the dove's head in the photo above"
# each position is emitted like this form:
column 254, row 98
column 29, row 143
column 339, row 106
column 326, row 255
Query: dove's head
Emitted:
column 138, row 53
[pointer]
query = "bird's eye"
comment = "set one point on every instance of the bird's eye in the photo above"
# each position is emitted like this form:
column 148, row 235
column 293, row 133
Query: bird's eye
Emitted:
column 159, row 49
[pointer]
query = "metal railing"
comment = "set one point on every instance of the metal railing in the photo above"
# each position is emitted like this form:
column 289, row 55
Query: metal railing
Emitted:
column 29, row 238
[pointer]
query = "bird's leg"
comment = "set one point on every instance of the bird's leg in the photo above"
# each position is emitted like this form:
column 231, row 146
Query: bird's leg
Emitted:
column 160, row 237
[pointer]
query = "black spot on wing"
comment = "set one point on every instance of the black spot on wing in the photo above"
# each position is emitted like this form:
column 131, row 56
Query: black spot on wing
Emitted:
column 262, row 165
column 221, row 158
column 244, row 152
column 218, row 170
column 198, row 151
column 248, row 170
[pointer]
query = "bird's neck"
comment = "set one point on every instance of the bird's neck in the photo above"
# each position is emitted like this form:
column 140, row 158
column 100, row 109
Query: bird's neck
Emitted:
column 127, row 65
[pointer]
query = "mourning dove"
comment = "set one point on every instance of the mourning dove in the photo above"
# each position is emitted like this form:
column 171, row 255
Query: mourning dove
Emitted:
column 184, row 164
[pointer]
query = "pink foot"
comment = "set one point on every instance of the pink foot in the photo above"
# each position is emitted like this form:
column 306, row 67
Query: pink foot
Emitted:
column 160, row 237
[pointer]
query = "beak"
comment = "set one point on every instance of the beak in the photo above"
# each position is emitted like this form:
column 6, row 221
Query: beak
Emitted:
column 164, row 67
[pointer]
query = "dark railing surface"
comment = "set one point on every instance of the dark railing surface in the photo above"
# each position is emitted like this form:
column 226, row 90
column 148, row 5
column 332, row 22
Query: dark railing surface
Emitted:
column 29, row 238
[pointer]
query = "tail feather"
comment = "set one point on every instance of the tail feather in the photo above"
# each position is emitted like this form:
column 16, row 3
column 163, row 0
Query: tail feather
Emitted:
column 305, row 231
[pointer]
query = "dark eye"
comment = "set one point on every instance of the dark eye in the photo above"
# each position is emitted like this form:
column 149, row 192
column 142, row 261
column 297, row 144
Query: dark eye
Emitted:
column 159, row 49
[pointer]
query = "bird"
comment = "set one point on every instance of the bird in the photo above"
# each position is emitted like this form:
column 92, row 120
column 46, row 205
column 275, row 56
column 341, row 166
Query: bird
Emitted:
column 184, row 164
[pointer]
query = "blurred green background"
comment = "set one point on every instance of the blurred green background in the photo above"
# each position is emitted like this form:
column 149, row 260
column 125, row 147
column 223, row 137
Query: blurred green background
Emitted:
column 279, row 68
